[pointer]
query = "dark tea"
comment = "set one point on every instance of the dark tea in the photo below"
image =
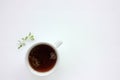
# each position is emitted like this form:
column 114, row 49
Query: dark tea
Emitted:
column 42, row 57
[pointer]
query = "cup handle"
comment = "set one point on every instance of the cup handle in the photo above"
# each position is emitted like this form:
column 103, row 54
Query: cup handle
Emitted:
column 58, row 44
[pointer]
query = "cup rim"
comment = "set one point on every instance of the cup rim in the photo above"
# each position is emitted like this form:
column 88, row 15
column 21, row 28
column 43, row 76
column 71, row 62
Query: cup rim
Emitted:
column 34, row 71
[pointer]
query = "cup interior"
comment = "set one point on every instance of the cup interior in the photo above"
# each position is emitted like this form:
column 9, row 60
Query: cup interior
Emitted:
column 38, row 72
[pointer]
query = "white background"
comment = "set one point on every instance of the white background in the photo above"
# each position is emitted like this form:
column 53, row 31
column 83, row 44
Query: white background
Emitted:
column 89, row 29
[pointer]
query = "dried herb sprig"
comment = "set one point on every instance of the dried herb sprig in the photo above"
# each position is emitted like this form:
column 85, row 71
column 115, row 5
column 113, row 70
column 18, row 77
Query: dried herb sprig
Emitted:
column 23, row 40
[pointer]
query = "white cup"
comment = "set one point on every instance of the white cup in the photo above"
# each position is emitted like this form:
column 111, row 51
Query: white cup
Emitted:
column 57, row 44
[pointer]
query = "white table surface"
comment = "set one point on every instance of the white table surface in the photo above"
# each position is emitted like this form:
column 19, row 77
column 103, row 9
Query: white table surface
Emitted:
column 89, row 29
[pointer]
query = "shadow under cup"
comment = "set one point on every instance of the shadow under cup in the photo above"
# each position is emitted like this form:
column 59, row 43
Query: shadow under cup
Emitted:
column 42, row 59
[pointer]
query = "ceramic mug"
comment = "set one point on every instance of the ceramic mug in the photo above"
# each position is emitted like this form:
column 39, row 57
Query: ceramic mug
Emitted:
column 55, row 46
